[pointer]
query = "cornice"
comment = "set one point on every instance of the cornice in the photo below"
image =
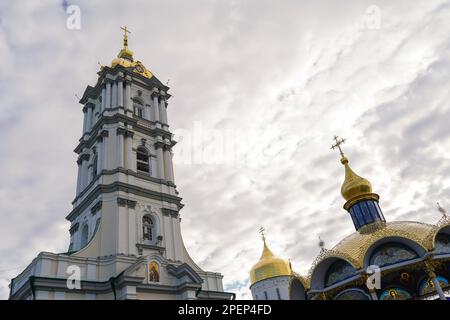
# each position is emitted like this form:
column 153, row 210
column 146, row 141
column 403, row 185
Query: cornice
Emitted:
column 122, row 187
column 115, row 119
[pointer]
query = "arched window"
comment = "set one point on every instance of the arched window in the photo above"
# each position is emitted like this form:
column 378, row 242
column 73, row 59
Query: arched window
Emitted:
column 352, row 294
column 147, row 228
column 138, row 107
column 142, row 159
column 391, row 253
column 442, row 243
column 339, row 271
column 395, row 294
column 84, row 236
column 139, row 111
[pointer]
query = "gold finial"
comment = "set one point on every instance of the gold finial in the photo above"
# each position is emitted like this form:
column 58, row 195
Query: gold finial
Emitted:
column 441, row 210
column 338, row 145
column 125, row 35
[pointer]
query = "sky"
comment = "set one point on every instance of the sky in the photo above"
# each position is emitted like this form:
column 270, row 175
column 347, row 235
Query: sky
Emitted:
column 259, row 88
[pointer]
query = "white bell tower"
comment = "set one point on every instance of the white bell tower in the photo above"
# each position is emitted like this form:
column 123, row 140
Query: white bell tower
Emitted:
column 125, row 223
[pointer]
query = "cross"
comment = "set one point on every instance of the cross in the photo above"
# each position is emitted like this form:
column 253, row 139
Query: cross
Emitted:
column 261, row 231
column 338, row 144
column 441, row 210
column 125, row 35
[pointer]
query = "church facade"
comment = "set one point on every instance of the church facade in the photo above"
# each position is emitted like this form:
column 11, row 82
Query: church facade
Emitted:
column 125, row 236
column 398, row 260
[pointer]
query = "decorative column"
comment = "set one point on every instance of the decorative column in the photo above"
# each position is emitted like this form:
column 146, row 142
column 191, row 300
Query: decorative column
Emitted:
column 429, row 269
column 160, row 159
column 168, row 164
column 103, row 98
column 120, row 133
column 99, row 154
column 114, row 94
column 121, row 241
column 105, row 135
column 84, row 120
column 155, row 106
column 128, row 106
column 163, row 110
column 102, row 159
column 90, row 108
column 130, row 163
column 108, row 94
column 90, row 171
column 79, row 161
column 84, row 170
column 131, row 227
column 120, row 93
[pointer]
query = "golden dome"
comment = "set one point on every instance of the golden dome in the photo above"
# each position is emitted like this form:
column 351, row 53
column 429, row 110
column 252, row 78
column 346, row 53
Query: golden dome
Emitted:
column 354, row 185
column 269, row 266
column 125, row 59
column 354, row 247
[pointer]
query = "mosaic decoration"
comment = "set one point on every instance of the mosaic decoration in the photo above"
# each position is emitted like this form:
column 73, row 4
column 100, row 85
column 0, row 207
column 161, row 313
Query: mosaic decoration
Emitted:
column 427, row 286
column 395, row 294
column 352, row 294
column 391, row 253
column 339, row 271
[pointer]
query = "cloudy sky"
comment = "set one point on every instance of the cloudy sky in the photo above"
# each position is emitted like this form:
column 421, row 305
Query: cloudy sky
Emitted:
column 259, row 89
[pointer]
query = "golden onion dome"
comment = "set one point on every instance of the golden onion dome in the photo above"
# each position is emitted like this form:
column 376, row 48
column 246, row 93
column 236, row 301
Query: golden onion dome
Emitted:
column 126, row 60
column 354, row 186
column 269, row 266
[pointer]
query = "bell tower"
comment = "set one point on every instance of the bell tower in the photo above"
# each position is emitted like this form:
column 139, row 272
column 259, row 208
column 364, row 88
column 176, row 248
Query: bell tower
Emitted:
column 125, row 170
column 125, row 234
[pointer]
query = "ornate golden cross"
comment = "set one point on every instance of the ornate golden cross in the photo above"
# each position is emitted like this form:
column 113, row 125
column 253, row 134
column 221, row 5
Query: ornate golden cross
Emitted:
column 338, row 144
column 125, row 35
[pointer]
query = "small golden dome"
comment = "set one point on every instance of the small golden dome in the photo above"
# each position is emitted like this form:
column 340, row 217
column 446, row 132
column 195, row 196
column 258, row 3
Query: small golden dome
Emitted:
column 120, row 61
column 125, row 59
column 354, row 186
column 126, row 53
column 269, row 266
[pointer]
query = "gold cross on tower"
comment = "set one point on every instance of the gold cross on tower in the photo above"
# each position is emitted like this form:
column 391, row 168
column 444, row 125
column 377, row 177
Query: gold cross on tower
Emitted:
column 338, row 144
column 125, row 35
